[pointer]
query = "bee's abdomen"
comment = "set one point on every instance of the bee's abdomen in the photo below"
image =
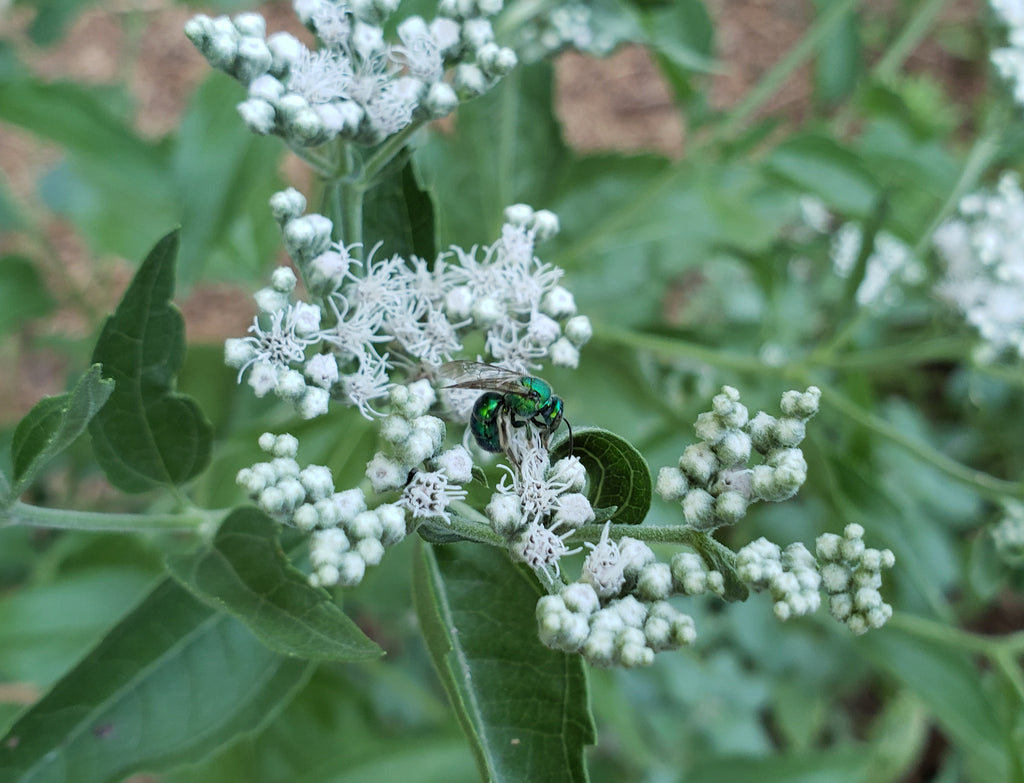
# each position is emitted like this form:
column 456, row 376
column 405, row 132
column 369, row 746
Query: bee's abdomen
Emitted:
column 484, row 421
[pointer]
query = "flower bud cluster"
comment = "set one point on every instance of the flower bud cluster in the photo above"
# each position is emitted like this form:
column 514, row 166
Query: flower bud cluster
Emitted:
column 563, row 26
column 791, row 576
column 1009, row 60
column 535, row 499
column 377, row 311
column 415, row 440
column 346, row 537
column 617, row 614
column 851, row 574
column 984, row 257
column 713, row 484
column 624, row 632
column 279, row 343
column 355, row 86
column 891, row 265
column 1008, row 534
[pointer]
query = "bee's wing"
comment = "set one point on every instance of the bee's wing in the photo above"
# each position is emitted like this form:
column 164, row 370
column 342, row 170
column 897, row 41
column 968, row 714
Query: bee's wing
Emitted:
column 477, row 375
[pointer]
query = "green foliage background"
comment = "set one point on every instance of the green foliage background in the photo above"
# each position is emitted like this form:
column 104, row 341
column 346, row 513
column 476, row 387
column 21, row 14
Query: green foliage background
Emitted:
column 221, row 672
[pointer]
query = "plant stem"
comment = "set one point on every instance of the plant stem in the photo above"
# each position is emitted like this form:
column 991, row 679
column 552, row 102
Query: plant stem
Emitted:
column 782, row 70
column 385, row 153
column 673, row 346
column 939, row 348
column 470, row 523
column 990, row 486
column 908, row 39
column 69, row 519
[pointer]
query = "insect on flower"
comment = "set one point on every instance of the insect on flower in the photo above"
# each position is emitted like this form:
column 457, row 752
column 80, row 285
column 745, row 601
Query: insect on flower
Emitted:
column 509, row 398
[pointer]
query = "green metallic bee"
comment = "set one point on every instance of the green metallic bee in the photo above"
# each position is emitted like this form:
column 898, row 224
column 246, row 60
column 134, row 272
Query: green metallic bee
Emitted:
column 508, row 397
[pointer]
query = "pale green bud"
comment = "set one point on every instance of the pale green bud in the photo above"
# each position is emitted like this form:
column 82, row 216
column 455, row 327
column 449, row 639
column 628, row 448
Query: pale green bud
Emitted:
column 371, row 550
column 469, row 81
column 730, row 507
column 258, row 114
column 441, row 100
column 351, row 569
column 506, row 514
column 699, row 509
column 580, row 597
column 698, row 462
column 392, row 520
column 305, row 517
column 654, row 582
column 287, row 205
column 253, row 59
column 801, row 405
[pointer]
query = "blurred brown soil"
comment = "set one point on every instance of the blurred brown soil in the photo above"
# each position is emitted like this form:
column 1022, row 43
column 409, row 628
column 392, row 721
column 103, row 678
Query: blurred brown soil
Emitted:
column 619, row 103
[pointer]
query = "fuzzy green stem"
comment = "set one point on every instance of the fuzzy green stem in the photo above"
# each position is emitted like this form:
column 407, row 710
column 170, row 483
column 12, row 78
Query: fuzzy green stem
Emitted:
column 69, row 519
column 385, row 153
column 469, row 523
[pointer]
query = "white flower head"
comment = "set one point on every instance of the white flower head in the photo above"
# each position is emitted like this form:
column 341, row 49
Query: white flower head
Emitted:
column 603, row 568
column 321, row 76
column 541, row 547
column 370, row 382
column 428, row 495
column 419, row 52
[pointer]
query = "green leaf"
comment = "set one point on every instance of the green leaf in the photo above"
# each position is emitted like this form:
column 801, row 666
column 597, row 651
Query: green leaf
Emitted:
column 45, row 628
column 148, row 436
column 683, row 33
column 23, row 293
column 397, row 210
column 52, row 18
column 171, row 682
column 508, row 149
column 819, row 165
column 53, row 424
column 247, row 574
column 523, row 707
column 617, row 474
column 389, row 734
column 948, row 682
column 223, row 177
column 93, row 125
column 839, row 63
column 10, row 213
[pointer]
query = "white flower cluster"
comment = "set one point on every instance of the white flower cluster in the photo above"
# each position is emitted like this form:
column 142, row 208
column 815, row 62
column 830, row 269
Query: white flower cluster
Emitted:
column 625, row 632
column 280, row 342
column 712, row 482
column 1009, row 60
column 891, row 264
column 1008, row 533
column 355, row 86
column 983, row 249
column 541, row 499
column 389, row 312
column 559, row 27
column 852, row 575
column 346, row 535
column 416, row 439
column 791, row 576
column 594, row 618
